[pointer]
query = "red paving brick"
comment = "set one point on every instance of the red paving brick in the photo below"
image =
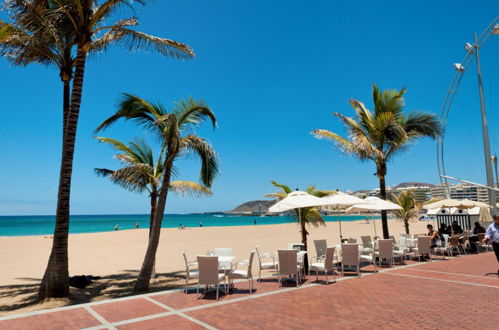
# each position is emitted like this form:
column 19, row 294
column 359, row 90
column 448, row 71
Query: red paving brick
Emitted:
column 68, row 319
column 379, row 301
column 474, row 264
column 127, row 309
column 181, row 300
column 165, row 322
column 384, row 300
column 448, row 276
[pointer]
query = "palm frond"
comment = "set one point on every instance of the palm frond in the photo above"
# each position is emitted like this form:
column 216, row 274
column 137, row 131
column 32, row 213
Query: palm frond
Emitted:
column 133, row 108
column 108, row 7
column 286, row 189
column 192, row 113
column 345, row 146
column 189, row 188
column 422, row 124
column 134, row 41
column 209, row 158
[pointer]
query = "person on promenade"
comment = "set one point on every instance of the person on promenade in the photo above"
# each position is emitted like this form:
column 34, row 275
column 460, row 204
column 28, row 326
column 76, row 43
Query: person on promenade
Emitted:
column 434, row 236
column 456, row 228
column 492, row 235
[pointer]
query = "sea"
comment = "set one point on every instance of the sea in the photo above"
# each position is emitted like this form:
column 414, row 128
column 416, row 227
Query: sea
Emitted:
column 44, row 224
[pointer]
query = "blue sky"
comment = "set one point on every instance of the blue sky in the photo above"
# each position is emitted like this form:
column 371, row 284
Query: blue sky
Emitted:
column 272, row 71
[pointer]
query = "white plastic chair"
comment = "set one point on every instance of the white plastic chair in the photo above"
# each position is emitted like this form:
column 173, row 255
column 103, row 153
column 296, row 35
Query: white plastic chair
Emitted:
column 366, row 243
column 326, row 266
column 350, row 257
column 288, row 265
column 424, row 247
column 385, row 251
column 265, row 265
column 320, row 248
column 189, row 272
column 208, row 273
column 244, row 274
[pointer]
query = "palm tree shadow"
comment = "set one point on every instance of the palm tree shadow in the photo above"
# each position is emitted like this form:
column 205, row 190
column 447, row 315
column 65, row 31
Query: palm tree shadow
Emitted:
column 18, row 298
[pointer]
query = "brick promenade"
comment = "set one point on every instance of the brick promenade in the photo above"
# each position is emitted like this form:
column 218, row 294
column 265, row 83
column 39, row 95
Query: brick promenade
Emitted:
column 447, row 294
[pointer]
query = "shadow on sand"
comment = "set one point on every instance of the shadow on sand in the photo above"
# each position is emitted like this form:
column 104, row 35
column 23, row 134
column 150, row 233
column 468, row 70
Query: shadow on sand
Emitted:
column 19, row 298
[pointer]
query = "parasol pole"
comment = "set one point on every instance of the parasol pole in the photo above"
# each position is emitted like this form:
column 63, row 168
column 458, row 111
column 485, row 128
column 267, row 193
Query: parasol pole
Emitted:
column 339, row 221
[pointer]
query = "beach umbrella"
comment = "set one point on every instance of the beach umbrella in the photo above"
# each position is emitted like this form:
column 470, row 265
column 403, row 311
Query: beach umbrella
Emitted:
column 484, row 215
column 341, row 199
column 457, row 203
column 374, row 204
column 296, row 200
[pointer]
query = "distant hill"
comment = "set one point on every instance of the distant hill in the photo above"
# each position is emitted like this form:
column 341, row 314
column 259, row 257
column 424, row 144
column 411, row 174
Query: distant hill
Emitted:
column 253, row 206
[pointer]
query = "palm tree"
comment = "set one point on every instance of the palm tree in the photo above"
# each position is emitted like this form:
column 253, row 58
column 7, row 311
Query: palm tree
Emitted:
column 38, row 35
column 409, row 208
column 140, row 172
column 88, row 27
column 175, row 129
column 380, row 135
column 307, row 215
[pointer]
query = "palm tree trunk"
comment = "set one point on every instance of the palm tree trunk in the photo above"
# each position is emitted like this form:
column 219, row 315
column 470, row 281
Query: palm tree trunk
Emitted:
column 65, row 105
column 145, row 274
column 406, row 225
column 304, row 234
column 382, row 191
column 154, row 200
column 55, row 282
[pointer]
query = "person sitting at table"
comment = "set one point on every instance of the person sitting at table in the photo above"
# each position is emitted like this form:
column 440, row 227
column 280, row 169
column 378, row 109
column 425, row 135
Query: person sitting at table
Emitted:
column 478, row 229
column 443, row 229
column 434, row 236
column 456, row 228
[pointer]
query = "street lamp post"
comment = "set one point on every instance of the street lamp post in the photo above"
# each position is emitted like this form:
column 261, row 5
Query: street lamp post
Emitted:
column 472, row 50
column 485, row 129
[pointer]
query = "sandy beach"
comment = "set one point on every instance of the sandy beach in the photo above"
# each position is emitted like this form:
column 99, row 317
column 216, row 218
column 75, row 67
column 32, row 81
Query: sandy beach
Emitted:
column 117, row 256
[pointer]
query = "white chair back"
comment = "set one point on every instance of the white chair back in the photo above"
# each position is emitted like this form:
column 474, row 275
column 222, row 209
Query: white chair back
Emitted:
column 328, row 263
column 226, row 252
column 208, row 270
column 385, row 247
column 366, row 241
column 403, row 241
column 424, row 244
column 446, row 238
column 350, row 254
column 250, row 263
column 288, row 261
column 320, row 247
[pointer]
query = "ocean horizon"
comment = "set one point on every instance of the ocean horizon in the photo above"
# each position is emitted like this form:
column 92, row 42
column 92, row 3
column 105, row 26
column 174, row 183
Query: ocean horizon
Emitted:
column 28, row 225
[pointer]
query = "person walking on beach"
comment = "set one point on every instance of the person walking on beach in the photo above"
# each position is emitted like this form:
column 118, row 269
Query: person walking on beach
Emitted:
column 201, row 224
column 116, row 227
column 492, row 235
column 136, row 226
